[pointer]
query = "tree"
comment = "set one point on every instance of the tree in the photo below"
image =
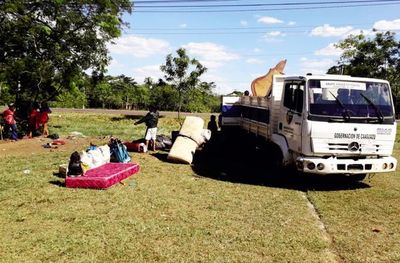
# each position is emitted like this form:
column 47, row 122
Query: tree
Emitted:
column 378, row 57
column 182, row 73
column 46, row 45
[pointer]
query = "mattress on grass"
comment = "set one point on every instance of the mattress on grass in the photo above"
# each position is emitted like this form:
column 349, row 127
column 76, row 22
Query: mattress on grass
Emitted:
column 103, row 176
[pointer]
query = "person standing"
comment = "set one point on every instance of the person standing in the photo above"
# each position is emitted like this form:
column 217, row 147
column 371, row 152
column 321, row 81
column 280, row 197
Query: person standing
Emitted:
column 212, row 125
column 44, row 118
column 9, row 121
column 151, row 121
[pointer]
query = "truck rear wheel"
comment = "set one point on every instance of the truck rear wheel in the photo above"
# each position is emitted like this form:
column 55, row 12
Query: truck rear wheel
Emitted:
column 276, row 157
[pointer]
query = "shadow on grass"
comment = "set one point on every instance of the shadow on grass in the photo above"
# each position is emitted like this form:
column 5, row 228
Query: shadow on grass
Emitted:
column 238, row 162
column 129, row 117
column 161, row 155
column 57, row 183
column 59, row 175
column 126, row 117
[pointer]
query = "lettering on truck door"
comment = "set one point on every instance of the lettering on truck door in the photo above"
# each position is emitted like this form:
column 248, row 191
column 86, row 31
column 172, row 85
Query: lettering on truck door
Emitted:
column 291, row 117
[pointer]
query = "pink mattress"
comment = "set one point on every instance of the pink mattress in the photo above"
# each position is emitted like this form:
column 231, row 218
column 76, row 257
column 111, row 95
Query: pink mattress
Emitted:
column 103, row 176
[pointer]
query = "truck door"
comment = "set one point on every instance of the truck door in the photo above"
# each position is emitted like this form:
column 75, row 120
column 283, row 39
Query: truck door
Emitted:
column 290, row 124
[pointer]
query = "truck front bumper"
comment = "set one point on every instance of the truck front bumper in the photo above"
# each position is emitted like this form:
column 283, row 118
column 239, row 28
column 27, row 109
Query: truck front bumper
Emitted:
column 332, row 165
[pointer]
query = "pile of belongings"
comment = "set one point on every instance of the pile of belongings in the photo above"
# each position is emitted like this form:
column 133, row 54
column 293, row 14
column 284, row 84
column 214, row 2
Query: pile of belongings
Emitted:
column 99, row 167
column 163, row 142
column 95, row 156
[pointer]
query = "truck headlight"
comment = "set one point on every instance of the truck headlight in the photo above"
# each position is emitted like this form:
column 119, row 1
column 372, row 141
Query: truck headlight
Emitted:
column 320, row 166
column 391, row 165
column 384, row 166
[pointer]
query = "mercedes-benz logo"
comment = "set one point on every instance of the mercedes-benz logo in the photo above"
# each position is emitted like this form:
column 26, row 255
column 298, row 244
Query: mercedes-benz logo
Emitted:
column 353, row 146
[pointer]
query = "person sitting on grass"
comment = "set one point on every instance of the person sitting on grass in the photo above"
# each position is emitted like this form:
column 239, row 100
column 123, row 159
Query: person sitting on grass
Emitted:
column 9, row 121
column 151, row 121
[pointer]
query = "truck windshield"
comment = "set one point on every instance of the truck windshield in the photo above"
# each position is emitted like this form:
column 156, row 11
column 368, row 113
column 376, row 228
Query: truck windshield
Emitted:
column 336, row 100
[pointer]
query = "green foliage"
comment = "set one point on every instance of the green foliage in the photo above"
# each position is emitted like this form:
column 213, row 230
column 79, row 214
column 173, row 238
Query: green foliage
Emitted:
column 141, row 97
column 117, row 93
column 72, row 99
column 123, row 92
column 377, row 57
column 5, row 95
column 45, row 45
column 202, row 100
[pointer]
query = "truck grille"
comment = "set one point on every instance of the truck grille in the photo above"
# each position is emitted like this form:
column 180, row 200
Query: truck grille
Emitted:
column 347, row 147
column 354, row 167
column 338, row 146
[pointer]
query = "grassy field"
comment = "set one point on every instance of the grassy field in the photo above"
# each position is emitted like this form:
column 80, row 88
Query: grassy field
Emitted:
column 216, row 210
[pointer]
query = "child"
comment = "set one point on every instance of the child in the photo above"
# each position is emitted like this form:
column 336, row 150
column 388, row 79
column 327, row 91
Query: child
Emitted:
column 74, row 166
column 151, row 121
column 44, row 118
column 9, row 121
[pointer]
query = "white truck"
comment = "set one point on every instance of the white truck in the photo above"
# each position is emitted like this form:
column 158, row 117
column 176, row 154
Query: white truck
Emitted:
column 322, row 124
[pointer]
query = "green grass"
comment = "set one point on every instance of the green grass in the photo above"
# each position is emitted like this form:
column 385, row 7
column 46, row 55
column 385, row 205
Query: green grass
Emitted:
column 95, row 125
column 168, row 213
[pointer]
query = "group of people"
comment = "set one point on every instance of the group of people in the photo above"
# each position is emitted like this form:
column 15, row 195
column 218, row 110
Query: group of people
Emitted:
column 37, row 121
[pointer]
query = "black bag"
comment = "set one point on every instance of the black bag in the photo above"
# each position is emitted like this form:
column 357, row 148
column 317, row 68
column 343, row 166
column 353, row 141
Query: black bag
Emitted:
column 163, row 142
column 53, row 136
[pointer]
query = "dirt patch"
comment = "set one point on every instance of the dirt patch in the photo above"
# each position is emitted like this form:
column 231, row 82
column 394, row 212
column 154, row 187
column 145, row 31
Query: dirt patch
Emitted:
column 36, row 146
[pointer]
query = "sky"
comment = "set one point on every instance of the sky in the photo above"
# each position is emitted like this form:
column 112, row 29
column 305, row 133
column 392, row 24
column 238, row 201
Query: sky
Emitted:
column 238, row 40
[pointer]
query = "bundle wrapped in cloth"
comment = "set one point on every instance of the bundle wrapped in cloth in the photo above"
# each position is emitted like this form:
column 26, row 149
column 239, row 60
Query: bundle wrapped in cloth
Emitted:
column 189, row 138
column 95, row 157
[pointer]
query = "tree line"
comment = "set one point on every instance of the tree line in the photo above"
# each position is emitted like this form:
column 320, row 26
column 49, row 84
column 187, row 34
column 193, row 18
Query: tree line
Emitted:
column 123, row 92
